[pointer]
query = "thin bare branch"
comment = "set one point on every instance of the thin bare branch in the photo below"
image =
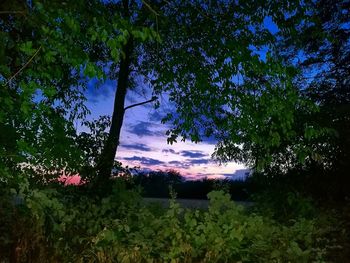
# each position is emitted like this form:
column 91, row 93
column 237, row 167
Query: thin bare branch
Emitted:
column 141, row 103
column 11, row 12
column 150, row 8
column 24, row 66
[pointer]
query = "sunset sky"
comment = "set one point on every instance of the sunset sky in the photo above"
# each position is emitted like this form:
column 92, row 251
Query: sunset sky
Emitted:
column 143, row 141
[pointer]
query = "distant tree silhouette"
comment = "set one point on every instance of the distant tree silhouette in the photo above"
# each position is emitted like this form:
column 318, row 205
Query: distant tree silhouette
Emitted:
column 157, row 183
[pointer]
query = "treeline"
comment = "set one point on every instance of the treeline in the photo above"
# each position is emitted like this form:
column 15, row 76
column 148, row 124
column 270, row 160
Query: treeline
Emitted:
column 161, row 183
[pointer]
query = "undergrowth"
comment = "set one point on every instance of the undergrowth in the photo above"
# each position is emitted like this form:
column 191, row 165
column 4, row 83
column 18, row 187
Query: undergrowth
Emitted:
column 55, row 225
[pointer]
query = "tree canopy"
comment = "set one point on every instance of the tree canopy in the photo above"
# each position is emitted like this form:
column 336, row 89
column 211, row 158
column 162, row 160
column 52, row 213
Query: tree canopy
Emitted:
column 267, row 80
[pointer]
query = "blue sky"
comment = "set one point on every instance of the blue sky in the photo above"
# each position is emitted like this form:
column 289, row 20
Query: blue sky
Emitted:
column 143, row 141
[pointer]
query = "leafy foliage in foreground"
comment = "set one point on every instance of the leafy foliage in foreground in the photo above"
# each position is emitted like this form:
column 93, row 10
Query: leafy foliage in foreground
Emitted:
column 55, row 225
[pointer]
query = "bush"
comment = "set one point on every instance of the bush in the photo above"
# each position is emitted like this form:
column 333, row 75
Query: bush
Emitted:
column 69, row 226
column 224, row 233
column 57, row 225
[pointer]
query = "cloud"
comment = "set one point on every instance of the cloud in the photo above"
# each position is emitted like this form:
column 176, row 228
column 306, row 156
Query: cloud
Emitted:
column 193, row 154
column 179, row 164
column 240, row 174
column 186, row 164
column 141, row 129
column 144, row 160
column 176, row 162
column 198, row 161
column 144, row 128
column 169, row 151
column 137, row 146
column 155, row 116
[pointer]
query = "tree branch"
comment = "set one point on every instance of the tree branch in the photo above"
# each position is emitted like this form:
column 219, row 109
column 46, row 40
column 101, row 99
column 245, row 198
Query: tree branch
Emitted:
column 141, row 103
column 150, row 8
column 11, row 12
column 24, row 66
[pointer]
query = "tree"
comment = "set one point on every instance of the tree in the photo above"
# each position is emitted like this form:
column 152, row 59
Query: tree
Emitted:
column 210, row 64
column 157, row 183
column 227, row 81
column 216, row 62
column 52, row 49
column 47, row 50
column 322, row 37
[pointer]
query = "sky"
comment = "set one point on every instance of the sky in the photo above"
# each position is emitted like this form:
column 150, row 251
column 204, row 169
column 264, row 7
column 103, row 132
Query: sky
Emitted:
column 143, row 141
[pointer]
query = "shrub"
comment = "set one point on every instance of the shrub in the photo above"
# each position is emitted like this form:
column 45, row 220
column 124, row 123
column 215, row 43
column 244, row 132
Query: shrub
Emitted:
column 68, row 226
column 224, row 233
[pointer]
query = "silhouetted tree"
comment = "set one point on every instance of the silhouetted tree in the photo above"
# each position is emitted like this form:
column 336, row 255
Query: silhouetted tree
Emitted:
column 319, row 44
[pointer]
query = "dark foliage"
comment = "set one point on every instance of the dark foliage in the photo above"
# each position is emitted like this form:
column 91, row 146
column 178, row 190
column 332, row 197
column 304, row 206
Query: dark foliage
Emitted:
column 157, row 183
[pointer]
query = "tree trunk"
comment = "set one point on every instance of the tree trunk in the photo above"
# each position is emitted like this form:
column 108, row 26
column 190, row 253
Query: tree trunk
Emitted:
column 105, row 165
